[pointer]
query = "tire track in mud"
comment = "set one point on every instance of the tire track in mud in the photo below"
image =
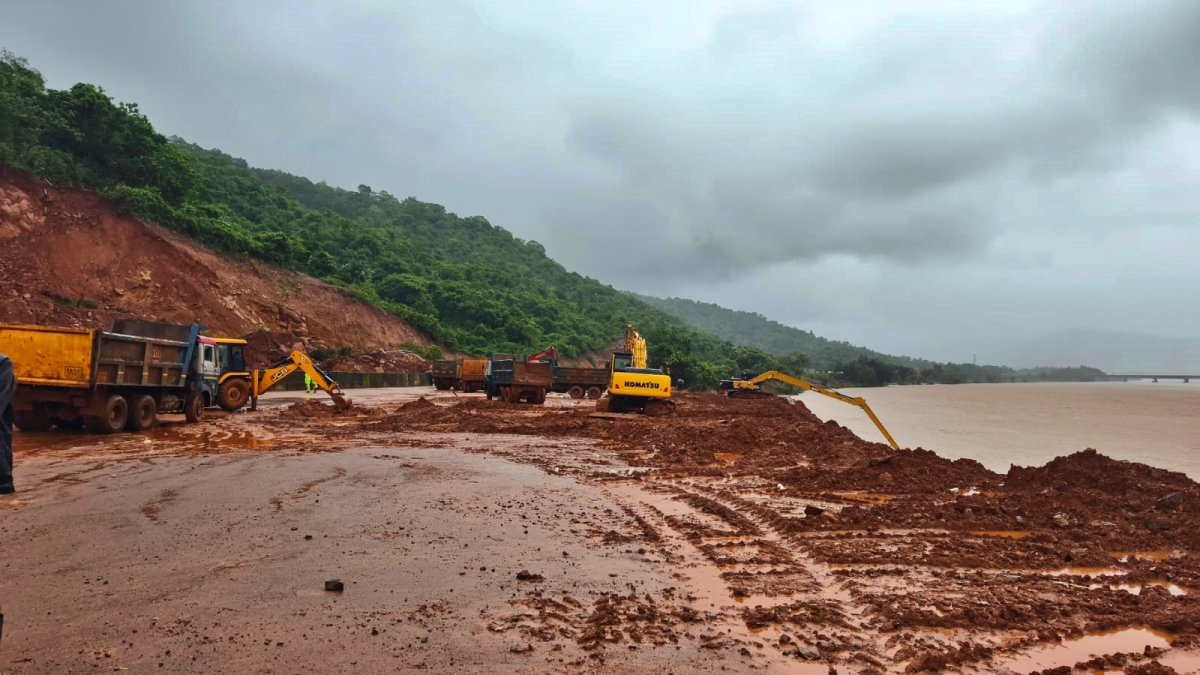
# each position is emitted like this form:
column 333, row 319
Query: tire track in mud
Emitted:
column 748, row 579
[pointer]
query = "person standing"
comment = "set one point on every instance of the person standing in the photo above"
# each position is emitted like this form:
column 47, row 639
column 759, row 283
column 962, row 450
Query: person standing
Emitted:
column 8, row 386
column 308, row 384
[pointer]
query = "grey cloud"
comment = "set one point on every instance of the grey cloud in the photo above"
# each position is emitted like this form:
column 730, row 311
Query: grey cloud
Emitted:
column 673, row 146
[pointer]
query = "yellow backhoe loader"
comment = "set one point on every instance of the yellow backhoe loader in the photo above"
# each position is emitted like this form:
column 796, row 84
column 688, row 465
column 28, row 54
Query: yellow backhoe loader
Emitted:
column 749, row 386
column 263, row 380
column 632, row 386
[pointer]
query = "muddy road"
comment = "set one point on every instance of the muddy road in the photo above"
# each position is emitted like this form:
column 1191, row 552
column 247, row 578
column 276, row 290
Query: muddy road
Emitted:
column 480, row 536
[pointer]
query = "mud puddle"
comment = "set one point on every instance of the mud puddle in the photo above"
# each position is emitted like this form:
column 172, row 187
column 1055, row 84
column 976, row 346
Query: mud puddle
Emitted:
column 1084, row 649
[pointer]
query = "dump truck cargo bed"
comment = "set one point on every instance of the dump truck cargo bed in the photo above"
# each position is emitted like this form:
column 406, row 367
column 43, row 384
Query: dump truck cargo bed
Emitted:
column 48, row 356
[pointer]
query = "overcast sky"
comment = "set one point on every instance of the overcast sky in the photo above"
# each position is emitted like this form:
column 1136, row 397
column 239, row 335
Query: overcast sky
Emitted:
column 933, row 178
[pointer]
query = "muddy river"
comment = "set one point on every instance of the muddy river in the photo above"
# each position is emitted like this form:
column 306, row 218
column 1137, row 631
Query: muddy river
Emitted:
column 1029, row 424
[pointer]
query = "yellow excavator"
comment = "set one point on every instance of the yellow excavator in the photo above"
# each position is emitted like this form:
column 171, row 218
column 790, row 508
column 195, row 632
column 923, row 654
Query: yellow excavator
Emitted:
column 749, row 386
column 634, row 387
column 263, row 380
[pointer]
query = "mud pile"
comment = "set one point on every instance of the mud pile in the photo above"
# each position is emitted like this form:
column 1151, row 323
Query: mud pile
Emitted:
column 266, row 348
column 72, row 260
column 313, row 409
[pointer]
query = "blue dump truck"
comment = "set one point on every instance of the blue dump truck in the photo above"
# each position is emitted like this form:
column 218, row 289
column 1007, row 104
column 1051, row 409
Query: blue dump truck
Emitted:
column 115, row 380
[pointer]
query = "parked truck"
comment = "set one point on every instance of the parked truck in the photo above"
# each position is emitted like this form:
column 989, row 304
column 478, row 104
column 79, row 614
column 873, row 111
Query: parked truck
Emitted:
column 445, row 374
column 580, row 382
column 120, row 379
column 466, row 374
column 472, row 374
column 513, row 379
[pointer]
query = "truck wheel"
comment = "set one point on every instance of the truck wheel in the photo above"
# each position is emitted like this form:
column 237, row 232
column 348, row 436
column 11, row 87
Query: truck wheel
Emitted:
column 594, row 393
column 116, row 414
column 440, row 386
column 575, row 392
column 37, row 419
column 541, row 397
column 143, row 413
column 233, row 394
column 193, row 408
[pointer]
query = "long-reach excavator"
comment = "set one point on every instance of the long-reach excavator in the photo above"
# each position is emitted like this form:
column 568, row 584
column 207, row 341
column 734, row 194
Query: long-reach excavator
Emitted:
column 262, row 380
column 749, row 387
column 632, row 386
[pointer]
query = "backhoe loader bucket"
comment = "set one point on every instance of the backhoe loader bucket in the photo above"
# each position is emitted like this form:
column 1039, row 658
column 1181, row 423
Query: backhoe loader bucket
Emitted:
column 340, row 402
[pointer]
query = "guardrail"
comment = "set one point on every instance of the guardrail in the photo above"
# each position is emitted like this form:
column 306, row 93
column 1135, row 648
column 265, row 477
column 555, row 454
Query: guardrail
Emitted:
column 351, row 380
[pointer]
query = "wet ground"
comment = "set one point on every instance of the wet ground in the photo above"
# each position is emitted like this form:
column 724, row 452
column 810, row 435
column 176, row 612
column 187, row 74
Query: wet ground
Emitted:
column 487, row 537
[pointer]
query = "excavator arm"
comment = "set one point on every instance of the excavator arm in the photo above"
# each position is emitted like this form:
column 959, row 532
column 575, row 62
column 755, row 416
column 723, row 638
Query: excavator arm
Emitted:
column 635, row 344
column 262, row 380
column 752, row 385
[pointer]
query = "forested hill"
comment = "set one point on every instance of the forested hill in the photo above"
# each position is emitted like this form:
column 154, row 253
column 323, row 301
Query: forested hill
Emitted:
column 756, row 330
column 467, row 284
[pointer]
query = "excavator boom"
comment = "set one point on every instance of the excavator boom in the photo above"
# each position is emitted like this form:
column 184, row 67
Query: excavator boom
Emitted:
column 262, row 380
column 751, row 386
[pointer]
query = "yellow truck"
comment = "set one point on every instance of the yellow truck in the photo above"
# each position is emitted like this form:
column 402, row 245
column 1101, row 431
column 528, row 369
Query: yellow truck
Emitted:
column 465, row 374
column 108, row 381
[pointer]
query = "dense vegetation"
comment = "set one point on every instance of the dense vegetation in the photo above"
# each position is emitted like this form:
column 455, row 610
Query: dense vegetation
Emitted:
column 841, row 363
column 468, row 285
column 756, row 330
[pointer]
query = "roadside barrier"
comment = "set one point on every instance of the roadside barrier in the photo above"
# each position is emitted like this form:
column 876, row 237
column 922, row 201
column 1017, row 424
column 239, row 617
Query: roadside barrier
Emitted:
column 348, row 380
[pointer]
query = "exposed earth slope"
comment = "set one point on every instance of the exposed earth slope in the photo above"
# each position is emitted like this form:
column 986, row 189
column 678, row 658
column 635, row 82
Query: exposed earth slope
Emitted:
column 71, row 260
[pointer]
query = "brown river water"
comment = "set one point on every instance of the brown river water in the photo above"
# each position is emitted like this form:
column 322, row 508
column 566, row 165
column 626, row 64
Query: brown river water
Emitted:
column 1029, row 424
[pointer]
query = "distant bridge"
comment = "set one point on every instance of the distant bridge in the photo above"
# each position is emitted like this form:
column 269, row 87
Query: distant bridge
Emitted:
column 1156, row 378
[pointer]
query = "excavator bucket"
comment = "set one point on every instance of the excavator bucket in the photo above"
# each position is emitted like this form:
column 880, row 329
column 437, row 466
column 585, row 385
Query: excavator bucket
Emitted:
column 340, row 402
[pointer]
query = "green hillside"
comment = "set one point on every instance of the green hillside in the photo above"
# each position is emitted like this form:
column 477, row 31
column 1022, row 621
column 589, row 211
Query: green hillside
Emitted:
column 469, row 285
column 756, row 330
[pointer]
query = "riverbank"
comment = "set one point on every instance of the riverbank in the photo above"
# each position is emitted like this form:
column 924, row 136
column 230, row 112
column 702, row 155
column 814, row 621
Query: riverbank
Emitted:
column 1031, row 424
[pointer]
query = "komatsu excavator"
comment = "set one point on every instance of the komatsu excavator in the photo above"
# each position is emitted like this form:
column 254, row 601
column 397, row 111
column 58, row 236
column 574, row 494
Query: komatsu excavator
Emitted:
column 632, row 386
column 748, row 386
column 262, row 380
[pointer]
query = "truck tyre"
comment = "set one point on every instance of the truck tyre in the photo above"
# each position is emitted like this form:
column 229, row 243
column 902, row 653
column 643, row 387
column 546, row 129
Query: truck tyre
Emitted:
column 193, row 408
column 440, row 386
column 541, row 397
column 116, row 414
column 575, row 392
column 594, row 393
column 143, row 413
column 37, row 419
column 233, row 393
